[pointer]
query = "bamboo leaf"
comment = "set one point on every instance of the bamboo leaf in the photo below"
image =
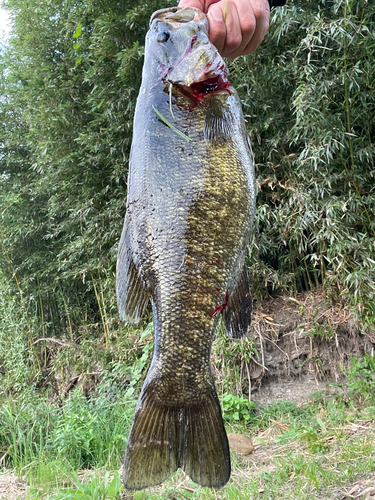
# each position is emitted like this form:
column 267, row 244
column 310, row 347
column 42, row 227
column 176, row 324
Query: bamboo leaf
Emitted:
column 78, row 30
column 170, row 125
column 225, row 11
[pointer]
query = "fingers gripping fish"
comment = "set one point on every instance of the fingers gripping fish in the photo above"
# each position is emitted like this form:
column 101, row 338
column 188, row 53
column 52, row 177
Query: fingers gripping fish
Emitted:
column 190, row 209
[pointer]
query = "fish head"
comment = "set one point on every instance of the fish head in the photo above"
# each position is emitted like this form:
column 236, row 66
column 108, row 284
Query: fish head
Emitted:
column 181, row 52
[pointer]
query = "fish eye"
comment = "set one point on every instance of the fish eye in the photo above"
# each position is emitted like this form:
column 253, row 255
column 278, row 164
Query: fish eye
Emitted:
column 163, row 36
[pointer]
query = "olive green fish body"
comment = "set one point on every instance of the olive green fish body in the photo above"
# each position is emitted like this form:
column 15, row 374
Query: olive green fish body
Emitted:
column 189, row 212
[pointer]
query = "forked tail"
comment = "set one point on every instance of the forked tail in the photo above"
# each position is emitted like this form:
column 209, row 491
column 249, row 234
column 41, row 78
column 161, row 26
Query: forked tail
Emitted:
column 164, row 438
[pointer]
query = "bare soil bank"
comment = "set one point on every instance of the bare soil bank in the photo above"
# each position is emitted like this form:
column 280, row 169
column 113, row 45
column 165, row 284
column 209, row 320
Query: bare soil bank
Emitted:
column 303, row 343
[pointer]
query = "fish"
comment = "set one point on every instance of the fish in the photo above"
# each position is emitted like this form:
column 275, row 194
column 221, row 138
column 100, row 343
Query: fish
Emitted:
column 189, row 213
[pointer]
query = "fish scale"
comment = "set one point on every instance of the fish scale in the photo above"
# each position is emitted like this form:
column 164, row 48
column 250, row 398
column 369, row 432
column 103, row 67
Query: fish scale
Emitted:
column 190, row 209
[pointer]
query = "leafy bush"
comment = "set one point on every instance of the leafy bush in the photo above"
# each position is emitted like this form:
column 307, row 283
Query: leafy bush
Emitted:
column 236, row 409
column 309, row 99
column 361, row 377
column 85, row 432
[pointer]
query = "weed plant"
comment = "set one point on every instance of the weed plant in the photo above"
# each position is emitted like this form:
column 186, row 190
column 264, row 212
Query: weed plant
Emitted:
column 317, row 446
column 87, row 432
column 309, row 451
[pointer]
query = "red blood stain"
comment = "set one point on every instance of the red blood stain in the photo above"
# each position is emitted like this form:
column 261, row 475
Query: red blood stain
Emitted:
column 223, row 306
column 212, row 80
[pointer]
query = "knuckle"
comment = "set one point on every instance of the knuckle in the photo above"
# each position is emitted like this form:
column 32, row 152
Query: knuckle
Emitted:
column 219, row 31
column 248, row 24
column 233, row 41
column 261, row 11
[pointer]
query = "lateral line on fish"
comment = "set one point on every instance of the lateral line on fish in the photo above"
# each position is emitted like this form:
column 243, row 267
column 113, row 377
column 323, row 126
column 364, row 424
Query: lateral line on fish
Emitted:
column 171, row 126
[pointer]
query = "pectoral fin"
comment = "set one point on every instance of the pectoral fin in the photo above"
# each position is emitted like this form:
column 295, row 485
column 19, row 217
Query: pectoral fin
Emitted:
column 218, row 126
column 237, row 313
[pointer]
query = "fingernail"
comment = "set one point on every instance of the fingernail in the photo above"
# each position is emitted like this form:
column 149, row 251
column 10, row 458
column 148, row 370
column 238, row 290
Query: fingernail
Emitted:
column 216, row 14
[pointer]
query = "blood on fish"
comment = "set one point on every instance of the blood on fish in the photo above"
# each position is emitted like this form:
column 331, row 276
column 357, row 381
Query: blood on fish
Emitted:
column 209, row 86
column 223, row 306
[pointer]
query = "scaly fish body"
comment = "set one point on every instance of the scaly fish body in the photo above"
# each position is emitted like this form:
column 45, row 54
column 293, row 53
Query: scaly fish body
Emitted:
column 189, row 212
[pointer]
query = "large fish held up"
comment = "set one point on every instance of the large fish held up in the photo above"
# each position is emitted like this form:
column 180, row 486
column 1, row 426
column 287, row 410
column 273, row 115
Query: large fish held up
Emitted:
column 190, row 209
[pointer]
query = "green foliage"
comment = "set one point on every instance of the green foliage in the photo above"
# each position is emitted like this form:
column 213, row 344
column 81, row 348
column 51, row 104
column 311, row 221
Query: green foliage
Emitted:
column 84, row 432
column 236, row 409
column 361, row 377
column 140, row 366
column 231, row 360
column 16, row 348
column 308, row 96
column 70, row 76
column 96, row 489
column 275, row 411
column 23, row 428
column 323, row 330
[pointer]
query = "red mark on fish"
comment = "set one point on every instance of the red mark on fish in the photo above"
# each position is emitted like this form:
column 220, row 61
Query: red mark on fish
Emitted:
column 223, row 305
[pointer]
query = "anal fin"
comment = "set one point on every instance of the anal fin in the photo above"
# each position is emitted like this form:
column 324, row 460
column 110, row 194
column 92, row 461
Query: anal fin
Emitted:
column 237, row 313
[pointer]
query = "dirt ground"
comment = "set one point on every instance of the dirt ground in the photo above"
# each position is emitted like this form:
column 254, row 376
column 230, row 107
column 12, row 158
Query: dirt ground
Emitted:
column 11, row 488
column 295, row 390
column 362, row 489
column 303, row 344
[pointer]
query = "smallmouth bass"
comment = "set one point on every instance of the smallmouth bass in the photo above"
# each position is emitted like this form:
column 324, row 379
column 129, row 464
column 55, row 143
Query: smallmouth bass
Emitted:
column 190, row 209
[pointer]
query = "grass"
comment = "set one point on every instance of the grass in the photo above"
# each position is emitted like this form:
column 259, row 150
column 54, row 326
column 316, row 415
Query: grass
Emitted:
column 305, row 451
column 68, row 445
column 37, row 436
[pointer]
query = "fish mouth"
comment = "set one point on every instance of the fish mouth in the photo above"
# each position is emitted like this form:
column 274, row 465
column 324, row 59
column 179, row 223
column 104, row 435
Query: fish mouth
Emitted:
column 178, row 15
column 206, row 86
column 200, row 70
column 212, row 79
column 211, row 85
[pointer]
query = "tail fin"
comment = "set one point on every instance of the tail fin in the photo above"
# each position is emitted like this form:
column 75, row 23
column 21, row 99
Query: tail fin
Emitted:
column 164, row 438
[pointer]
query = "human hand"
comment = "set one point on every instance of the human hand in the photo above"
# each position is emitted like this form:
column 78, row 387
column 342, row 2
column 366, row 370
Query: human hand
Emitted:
column 240, row 30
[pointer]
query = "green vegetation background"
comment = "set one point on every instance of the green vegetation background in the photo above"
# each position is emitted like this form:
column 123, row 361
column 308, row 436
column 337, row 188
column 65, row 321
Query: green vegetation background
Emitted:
column 69, row 78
